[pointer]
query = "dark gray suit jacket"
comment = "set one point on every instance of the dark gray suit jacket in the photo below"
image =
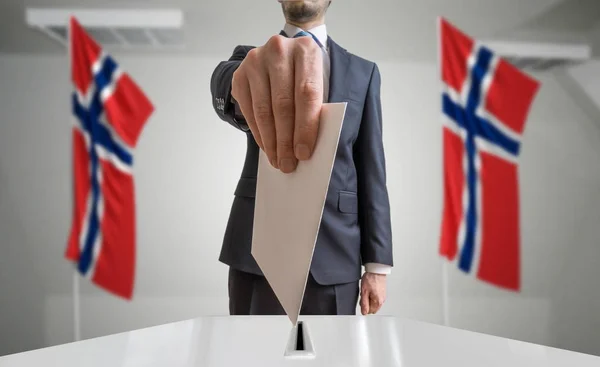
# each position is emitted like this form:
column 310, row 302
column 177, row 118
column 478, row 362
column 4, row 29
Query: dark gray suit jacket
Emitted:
column 355, row 227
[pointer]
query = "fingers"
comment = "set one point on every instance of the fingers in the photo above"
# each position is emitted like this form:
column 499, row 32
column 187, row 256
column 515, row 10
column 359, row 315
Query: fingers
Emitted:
column 370, row 303
column 308, row 96
column 364, row 300
column 279, row 90
column 365, row 293
column 281, row 71
column 375, row 303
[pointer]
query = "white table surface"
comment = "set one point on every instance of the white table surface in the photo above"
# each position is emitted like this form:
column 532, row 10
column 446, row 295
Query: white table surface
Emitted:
column 261, row 341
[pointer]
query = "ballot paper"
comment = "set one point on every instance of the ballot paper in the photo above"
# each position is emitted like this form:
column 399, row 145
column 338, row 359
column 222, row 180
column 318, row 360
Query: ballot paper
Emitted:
column 288, row 211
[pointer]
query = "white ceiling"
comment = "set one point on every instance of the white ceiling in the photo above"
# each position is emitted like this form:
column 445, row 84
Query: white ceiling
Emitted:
column 375, row 29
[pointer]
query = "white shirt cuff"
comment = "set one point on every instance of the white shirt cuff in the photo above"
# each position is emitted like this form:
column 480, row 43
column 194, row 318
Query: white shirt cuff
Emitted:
column 378, row 268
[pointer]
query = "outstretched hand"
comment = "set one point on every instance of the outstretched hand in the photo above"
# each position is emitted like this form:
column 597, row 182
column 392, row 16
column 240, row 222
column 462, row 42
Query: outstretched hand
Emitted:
column 279, row 90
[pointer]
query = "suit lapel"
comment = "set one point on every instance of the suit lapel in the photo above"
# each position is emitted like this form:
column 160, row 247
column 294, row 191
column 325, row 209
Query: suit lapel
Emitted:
column 339, row 83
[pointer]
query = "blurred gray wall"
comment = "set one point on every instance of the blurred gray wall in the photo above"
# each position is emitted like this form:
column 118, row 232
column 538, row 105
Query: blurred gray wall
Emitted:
column 186, row 168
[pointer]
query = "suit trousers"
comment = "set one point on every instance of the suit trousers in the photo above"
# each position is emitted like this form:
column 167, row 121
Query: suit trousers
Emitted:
column 251, row 294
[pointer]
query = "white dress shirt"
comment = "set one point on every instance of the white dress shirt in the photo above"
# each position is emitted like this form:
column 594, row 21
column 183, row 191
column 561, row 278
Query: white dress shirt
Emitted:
column 320, row 33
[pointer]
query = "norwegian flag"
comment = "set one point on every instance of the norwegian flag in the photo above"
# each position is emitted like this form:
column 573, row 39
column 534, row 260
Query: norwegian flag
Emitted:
column 110, row 112
column 485, row 103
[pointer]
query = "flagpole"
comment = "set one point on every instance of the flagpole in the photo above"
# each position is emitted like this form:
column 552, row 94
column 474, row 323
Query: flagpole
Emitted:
column 445, row 294
column 76, row 309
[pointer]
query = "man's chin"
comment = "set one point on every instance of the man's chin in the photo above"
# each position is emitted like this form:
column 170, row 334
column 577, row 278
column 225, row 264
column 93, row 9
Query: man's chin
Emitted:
column 300, row 12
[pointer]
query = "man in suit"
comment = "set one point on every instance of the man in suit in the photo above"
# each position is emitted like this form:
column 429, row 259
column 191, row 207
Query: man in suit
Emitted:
column 274, row 93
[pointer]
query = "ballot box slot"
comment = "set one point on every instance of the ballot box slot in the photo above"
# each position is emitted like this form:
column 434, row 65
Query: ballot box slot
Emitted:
column 300, row 344
column 299, row 337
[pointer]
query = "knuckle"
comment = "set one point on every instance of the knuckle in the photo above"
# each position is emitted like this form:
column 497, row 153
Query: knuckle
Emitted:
column 236, row 81
column 252, row 57
column 305, row 42
column 284, row 104
column 238, row 73
column 284, row 144
column 307, row 48
column 270, row 146
column 263, row 113
column 286, row 117
column 279, row 69
column 309, row 90
column 276, row 45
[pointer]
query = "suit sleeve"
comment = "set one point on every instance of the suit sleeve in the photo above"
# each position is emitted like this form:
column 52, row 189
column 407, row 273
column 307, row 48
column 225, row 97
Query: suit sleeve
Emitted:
column 220, row 88
column 374, row 206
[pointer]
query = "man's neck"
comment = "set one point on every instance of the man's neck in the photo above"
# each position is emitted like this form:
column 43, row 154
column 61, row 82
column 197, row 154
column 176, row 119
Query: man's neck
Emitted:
column 308, row 25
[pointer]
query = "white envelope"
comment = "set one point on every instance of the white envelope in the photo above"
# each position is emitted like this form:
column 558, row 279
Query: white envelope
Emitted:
column 288, row 212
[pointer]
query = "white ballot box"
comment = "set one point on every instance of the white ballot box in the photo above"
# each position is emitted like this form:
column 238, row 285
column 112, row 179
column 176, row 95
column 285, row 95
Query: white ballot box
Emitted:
column 265, row 341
